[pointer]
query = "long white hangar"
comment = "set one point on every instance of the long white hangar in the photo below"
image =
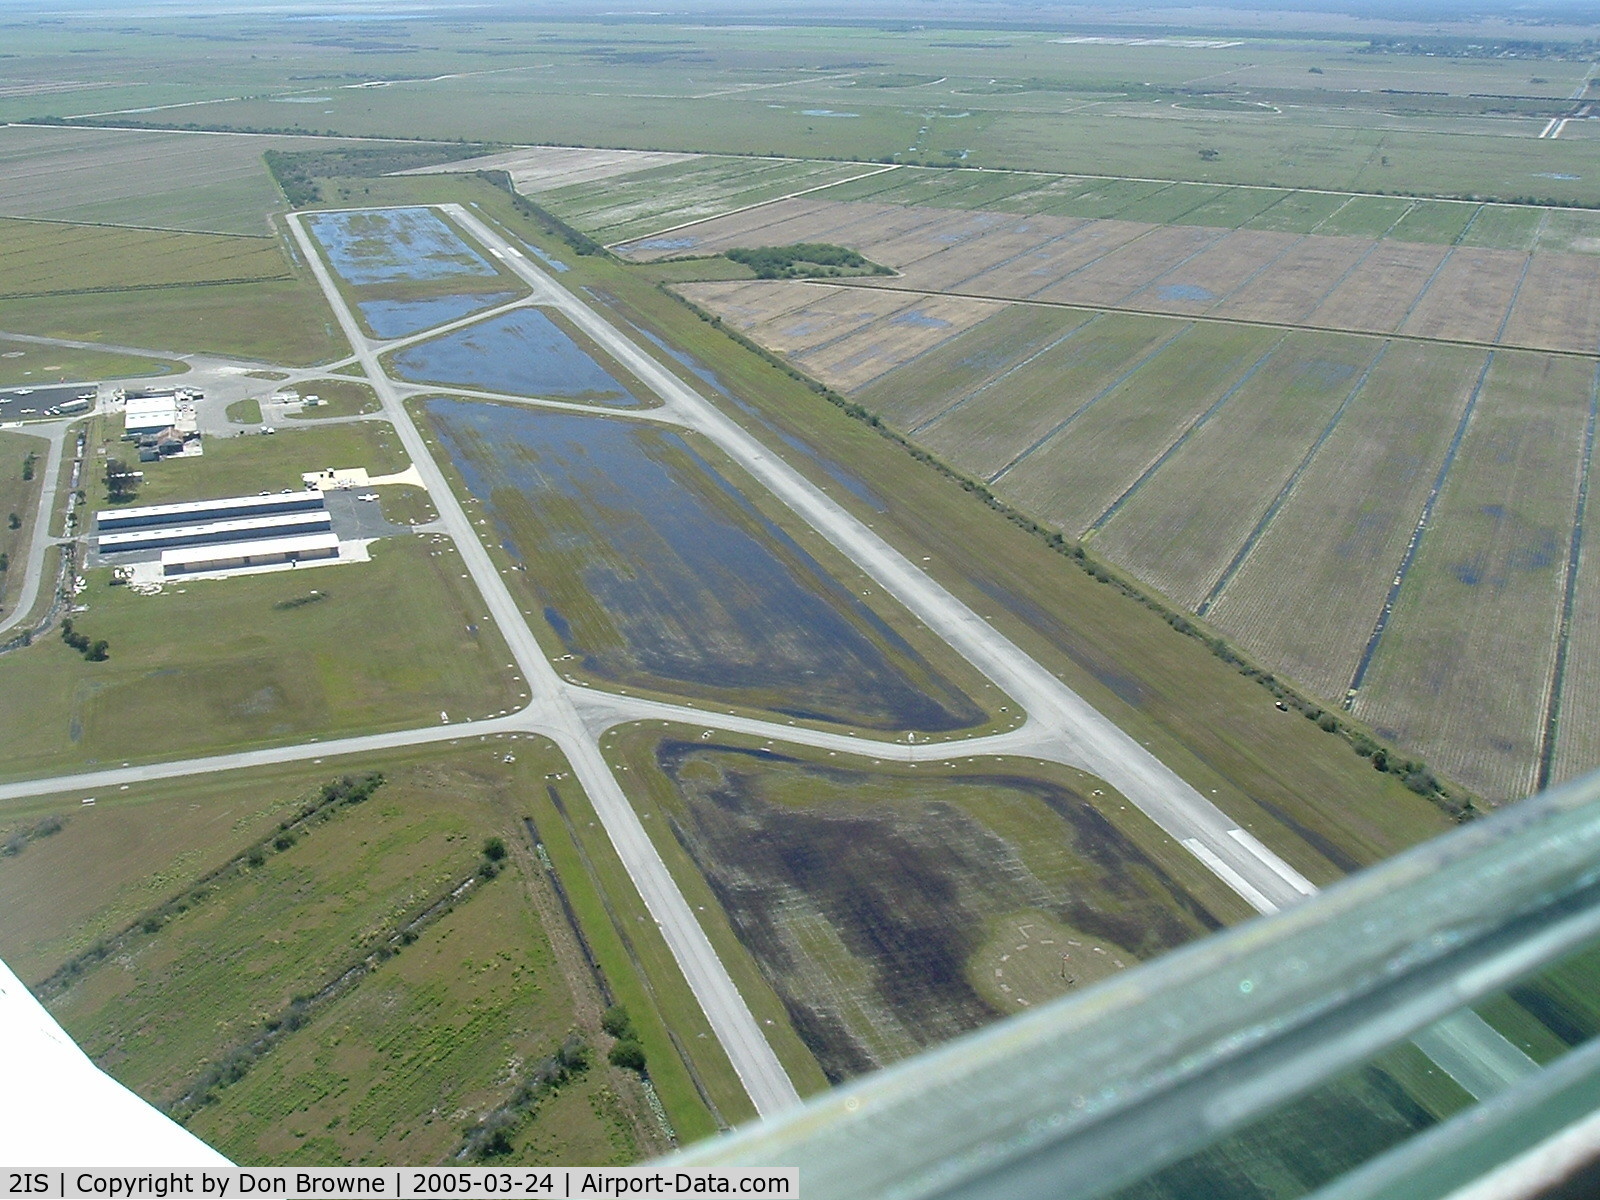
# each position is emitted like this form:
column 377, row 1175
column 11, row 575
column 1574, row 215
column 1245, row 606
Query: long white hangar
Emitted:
column 214, row 535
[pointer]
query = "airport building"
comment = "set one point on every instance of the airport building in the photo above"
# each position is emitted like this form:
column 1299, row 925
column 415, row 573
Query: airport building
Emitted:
column 150, row 414
column 245, row 529
column 270, row 552
column 219, row 535
column 199, row 512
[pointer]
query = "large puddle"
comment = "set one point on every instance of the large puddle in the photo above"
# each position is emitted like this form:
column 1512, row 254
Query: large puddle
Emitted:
column 401, row 318
column 656, row 572
column 394, row 244
column 520, row 353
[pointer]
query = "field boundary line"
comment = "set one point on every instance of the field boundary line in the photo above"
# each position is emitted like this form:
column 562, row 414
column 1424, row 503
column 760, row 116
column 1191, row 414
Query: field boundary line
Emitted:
column 1189, row 430
column 1077, row 227
column 254, row 237
column 1282, row 497
column 1417, row 534
column 1002, row 376
column 1551, row 725
column 1516, row 294
column 1086, row 306
column 881, row 170
column 1209, row 244
column 1090, row 403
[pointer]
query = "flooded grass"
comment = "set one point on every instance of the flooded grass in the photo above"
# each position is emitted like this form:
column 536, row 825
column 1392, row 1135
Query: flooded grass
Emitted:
column 394, row 244
column 894, row 909
column 401, row 318
column 521, row 353
column 652, row 570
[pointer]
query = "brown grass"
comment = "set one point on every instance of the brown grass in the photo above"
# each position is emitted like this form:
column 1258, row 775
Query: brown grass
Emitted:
column 1559, row 305
column 1381, row 290
column 1470, row 298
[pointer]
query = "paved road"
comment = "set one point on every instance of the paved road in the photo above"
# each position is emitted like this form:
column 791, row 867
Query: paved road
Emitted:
column 57, row 433
column 758, row 1067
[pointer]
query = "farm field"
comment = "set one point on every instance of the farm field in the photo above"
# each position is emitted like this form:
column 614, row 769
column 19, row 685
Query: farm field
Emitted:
column 545, row 168
column 298, row 902
column 1576, row 744
column 1306, row 596
column 1464, row 665
column 43, row 257
column 893, row 908
column 167, row 180
column 648, row 201
column 642, row 566
column 21, row 478
column 1423, row 289
column 1181, row 529
column 846, row 337
column 1078, row 474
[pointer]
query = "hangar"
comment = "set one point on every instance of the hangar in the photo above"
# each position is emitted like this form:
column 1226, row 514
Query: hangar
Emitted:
column 199, row 512
column 309, row 547
column 160, row 537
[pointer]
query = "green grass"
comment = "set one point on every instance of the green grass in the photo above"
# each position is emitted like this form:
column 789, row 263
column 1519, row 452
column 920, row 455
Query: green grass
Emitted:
column 40, row 258
column 245, row 412
column 253, row 462
column 340, row 398
column 278, row 321
column 1434, row 221
column 1464, row 666
column 1173, row 205
column 30, row 362
column 394, row 1070
column 1501, row 227
column 489, row 986
column 1366, row 216
column 400, row 639
column 1233, row 207
column 933, row 830
column 1297, row 212
column 19, row 498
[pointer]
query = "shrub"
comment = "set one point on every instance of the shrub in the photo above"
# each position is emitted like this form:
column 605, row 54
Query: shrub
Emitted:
column 629, row 1055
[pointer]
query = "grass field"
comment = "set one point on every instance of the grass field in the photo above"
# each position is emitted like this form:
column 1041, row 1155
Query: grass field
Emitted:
column 1465, row 663
column 251, row 463
column 39, row 258
column 1182, row 528
column 186, row 181
column 660, row 197
column 883, row 903
column 29, row 362
column 1310, row 590
column 395, row 642
column 474, row 1000
column 276, row 321
column 1074, row 477
column 19, row 502
column 340, row 398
